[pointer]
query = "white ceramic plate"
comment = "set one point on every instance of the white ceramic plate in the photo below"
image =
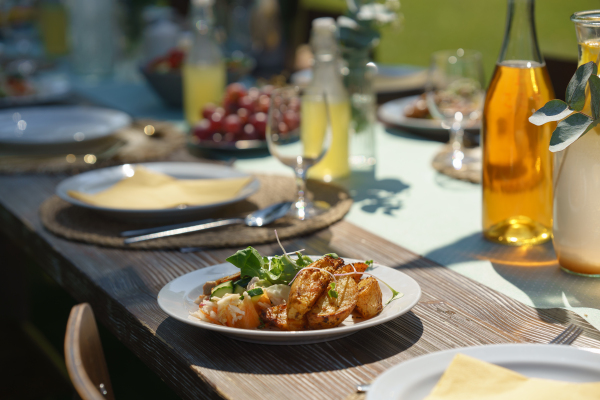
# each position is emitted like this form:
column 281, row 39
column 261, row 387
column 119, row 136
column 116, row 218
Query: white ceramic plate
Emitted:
column 100, row 179
column 58, row 128
column 392, row 113
column 177, row 300
column 414, row 379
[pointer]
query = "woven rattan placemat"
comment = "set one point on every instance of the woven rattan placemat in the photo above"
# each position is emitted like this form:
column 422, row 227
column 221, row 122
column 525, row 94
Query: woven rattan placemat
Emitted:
column 471, row 174
column 143, row 141
column 83, row 225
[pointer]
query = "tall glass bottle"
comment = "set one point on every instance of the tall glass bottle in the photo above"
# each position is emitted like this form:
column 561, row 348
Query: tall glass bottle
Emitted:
column 517, row 166
column 328, row 78
column 204, row 74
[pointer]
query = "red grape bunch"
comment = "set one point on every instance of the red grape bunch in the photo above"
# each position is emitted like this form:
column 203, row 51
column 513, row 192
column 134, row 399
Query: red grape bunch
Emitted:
column 242, row 116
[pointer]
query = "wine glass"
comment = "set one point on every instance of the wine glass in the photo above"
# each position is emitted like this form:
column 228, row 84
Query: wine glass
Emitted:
column 455, row 95
column 299, row 134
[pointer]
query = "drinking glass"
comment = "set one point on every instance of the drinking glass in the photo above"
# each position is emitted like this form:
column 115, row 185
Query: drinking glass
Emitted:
column 299, row 134
column 455, row 95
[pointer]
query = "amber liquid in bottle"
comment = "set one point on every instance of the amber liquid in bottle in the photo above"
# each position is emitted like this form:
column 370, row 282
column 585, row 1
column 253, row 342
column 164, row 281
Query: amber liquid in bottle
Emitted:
column 517, row 166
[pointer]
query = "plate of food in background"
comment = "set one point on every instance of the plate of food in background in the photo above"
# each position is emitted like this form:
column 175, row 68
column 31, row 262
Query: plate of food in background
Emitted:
column 289, row 299
column 17, row 90
column 412, row 114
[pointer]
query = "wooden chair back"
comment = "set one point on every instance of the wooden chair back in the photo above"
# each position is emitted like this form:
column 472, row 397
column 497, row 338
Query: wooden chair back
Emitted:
column 84, row 356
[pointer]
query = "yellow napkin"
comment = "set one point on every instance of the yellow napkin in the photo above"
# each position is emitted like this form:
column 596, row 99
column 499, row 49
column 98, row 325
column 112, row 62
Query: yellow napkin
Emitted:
column 147, row 190
column 470, row 379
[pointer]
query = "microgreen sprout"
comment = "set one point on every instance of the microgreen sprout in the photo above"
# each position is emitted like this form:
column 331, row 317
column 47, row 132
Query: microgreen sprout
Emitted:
column 297, row 252
column 285, row 253
column 332, row 255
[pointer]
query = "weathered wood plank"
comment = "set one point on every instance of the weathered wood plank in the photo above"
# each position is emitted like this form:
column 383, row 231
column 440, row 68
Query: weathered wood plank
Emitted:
column 122, row 286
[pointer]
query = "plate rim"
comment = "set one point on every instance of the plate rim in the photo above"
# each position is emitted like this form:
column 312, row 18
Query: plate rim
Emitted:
column 61, row 191
column 259, row 335
column 124, row 120
column 378, row 388
column 246, row 145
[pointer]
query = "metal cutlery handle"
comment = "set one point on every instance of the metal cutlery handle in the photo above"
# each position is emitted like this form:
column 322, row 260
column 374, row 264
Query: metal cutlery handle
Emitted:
column 181, row 231
column 147, row 231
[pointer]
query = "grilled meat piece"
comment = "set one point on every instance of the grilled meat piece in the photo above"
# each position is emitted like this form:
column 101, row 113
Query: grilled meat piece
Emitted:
column 277, row 317
column 308, row 287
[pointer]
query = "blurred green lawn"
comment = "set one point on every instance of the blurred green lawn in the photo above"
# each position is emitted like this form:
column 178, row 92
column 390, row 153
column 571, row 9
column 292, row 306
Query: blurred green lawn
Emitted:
column 431, row 25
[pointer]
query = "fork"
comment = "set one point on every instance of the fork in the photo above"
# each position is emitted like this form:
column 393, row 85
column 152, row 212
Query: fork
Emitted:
column 566, row 337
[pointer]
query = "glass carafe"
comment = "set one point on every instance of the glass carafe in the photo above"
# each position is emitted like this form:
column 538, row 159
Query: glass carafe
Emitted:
column 517, row 166
column 577, row 176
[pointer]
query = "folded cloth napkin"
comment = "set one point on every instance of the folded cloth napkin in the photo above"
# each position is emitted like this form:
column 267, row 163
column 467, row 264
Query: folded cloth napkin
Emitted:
column 470, row 379
column 148, row 190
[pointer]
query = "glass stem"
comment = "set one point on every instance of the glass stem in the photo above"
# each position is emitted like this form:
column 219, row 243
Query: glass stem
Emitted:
column 301, row 185
column 457, row 136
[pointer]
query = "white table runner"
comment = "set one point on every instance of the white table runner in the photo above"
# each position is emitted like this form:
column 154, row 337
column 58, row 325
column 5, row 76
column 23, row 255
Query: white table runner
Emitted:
column 410, row 204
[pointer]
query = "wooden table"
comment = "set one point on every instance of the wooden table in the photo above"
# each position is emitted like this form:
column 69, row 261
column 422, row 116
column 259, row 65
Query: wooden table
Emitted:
column 122, row 285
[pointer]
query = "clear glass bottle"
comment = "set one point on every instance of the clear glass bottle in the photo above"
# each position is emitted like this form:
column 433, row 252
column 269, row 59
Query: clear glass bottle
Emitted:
column 359, row 83
column 327, row 77
column 92, row 36
column 517, row 166
column 577, row 176
column 204, row 74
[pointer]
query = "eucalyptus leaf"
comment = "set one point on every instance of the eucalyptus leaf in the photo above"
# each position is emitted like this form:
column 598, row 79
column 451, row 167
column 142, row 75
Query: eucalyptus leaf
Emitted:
column 575, row 95
column 594, row 82
column 554, row 110
column 569, row 130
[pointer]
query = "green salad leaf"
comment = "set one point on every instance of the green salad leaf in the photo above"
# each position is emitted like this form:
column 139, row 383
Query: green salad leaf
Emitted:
column 303, row 261
column 249, row 261
column 281, row 271
column 277, row 270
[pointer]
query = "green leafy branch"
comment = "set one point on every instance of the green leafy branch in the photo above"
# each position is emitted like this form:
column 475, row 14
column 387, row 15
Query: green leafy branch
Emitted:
column 573, row 123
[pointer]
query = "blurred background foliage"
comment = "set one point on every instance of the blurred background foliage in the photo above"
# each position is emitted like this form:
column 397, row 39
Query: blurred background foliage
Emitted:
column 431, row 25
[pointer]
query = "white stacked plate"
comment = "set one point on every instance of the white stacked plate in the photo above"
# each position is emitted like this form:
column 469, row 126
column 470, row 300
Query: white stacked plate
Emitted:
column 57, row 129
